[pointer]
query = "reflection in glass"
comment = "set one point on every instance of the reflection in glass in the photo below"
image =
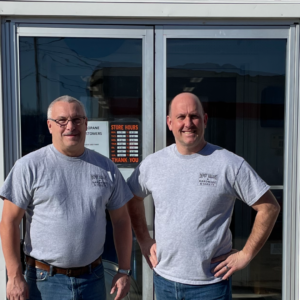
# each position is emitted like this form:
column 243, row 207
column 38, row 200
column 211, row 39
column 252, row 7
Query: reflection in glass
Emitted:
column 103, row 73
column 241, row 84
column 263, row 277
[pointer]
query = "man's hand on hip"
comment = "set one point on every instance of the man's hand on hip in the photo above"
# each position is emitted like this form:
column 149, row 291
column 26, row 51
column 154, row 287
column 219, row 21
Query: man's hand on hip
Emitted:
column 148, row 248
column 121, row 284
column 17, row 288
column 229, row 263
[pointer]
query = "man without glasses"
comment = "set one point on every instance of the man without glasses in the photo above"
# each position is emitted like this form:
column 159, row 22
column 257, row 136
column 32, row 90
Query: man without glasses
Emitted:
column 194, row 185
column 64, row 189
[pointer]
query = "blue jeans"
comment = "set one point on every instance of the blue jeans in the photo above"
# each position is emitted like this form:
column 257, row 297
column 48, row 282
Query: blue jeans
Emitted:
column 61, row 287
column 170, row 290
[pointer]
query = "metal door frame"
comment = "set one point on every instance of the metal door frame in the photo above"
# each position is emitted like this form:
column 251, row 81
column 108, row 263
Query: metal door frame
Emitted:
column 291, row 191
column 11, row 31
column 11, row 109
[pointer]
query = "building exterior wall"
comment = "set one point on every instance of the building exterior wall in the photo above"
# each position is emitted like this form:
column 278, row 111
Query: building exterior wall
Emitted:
column 154, row 9
column 2, row 263
column 145, row 12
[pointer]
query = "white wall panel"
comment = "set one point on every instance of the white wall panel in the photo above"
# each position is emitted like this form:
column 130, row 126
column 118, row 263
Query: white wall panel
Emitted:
column 151, row 9
column 2, row 263
column 169, row 1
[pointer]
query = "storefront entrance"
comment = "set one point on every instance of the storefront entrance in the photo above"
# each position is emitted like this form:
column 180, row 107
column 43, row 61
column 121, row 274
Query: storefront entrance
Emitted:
column 241, row 83
column 126, row 76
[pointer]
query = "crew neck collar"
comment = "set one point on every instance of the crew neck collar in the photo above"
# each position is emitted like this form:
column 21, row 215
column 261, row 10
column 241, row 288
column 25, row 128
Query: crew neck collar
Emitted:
column 66, row 157
column 203, row 152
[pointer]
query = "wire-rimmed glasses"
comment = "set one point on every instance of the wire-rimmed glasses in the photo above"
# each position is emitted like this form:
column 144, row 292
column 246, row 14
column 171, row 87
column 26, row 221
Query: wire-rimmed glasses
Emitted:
column 62, row 122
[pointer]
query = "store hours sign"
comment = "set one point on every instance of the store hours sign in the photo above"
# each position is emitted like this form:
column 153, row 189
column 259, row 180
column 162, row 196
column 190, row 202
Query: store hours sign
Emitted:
column 125, row 143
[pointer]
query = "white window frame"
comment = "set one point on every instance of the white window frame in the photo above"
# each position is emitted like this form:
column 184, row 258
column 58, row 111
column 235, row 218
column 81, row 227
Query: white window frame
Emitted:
column 291, row 191
column 11, row 92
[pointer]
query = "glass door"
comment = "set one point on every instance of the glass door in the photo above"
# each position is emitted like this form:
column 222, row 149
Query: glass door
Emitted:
column 110, row 70
column 244, row 77
column 240, row 76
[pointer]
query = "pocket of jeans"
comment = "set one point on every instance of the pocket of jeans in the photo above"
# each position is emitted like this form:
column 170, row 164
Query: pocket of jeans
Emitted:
column 36, row 274
column 99, row 271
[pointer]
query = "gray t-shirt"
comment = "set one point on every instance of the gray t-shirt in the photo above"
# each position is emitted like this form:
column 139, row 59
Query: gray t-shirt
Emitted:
column 65, row 200
column 194, row 197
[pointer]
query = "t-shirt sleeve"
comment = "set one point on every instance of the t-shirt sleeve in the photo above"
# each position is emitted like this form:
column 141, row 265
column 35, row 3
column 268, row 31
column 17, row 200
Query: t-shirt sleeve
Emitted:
column 249, row 187
column 121, row 193
column 137, row 182
column 17, row 186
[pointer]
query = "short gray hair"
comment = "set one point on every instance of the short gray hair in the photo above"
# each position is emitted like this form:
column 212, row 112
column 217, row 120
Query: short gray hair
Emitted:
column 67, row 99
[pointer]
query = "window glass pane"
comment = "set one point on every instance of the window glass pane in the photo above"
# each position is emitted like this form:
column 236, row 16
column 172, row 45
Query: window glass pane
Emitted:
column 263, row 277
column 106, row 75
column 241, row 84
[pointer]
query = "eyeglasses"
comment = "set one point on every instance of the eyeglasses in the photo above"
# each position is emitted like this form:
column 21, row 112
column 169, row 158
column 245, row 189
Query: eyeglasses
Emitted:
column 62, row 122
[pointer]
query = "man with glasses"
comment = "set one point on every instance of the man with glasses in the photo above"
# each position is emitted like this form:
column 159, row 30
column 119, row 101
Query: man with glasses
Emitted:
column 194, row 185
column 64, row 189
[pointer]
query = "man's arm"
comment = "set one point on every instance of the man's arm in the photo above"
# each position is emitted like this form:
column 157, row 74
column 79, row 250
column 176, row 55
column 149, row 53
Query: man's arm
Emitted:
column 267, row 212
column 10, row 237
column 123, row 243
column 136, row 211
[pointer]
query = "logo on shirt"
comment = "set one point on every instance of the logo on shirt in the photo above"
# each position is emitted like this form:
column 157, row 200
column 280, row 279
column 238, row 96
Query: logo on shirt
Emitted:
column 98, row 180
column 208, row 179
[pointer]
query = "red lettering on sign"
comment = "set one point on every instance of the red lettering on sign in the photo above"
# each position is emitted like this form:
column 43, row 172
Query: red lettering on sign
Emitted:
column 134, row 159
column 131, row 127
column 119, row 159
column 117, row 127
